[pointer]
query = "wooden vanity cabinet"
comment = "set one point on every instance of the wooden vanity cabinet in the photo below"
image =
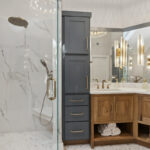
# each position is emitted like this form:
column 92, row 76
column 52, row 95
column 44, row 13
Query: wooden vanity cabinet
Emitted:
column 112, row 108
column 103, row 108
column 123, row 108
column 145, row 109
column 131, row 113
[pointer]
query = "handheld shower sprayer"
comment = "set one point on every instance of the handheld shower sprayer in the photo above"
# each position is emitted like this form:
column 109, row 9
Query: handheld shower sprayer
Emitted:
column 43, row 62
column 50, row 83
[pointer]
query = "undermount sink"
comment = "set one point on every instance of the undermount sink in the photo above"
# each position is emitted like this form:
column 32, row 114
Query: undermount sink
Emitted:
column 107, row 89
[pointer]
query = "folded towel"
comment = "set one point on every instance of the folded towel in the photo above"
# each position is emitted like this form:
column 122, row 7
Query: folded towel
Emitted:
column 115, row 131
column 106, row 132
column 109, row 129
column 111, row 125
column 101, row 128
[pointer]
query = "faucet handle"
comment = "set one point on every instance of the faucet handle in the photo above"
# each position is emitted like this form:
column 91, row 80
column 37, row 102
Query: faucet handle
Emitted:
column 108, row 86
column 96, row 80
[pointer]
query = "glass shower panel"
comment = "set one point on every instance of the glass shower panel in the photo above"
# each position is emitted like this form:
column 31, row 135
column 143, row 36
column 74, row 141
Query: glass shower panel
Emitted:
column 28, row 74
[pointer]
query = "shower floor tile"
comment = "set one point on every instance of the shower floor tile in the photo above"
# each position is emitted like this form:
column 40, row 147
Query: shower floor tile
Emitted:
column 26, row 141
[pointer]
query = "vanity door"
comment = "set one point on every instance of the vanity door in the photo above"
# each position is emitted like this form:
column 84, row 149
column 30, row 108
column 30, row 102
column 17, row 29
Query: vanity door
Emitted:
column 123, row 108
column 145, row 109
column 103, row 107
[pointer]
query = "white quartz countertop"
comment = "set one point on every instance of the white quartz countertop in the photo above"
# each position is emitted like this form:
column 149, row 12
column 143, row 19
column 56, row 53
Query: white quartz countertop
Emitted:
column 120, row 91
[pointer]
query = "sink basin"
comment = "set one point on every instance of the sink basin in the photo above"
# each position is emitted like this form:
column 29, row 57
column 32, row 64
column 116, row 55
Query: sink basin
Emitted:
column 107, row 89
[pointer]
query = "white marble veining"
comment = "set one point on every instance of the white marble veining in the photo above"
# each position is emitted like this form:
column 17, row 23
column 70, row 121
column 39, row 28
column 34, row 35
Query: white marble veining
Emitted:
column 121, row 88
column 120, row 91
column 22, row 76
column 109, row 147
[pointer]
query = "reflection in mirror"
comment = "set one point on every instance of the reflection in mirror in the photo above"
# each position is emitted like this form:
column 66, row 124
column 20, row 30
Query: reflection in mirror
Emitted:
column 102, row 61
column 138, row 71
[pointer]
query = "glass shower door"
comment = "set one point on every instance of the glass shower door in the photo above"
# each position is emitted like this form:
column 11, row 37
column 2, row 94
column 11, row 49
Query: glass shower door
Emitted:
column 29, row 56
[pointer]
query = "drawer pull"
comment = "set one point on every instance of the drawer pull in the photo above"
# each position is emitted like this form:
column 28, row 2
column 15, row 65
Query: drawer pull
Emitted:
column 87, row 43
column 77, row 131
column 76, row 101
column 87, row 82
column 79, row 114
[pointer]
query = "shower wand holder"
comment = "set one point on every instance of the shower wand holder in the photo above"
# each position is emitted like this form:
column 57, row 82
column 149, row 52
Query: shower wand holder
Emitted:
column 49, row 80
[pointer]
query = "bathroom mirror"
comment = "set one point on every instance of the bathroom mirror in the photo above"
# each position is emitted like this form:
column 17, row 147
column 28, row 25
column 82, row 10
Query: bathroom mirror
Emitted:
column 102, row 56
column 135, row 72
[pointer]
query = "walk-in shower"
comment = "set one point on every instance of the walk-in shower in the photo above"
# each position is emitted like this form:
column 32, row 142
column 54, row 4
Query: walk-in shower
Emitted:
column 28, row 75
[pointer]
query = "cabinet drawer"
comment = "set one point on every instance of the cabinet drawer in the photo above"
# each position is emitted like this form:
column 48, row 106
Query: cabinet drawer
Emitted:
column 77, row 113
column 74, row 100
column 77, row 131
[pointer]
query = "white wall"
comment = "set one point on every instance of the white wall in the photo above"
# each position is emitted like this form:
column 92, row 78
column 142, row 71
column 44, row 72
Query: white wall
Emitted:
column 112, row 13
column 105, row 13
column 135, row 12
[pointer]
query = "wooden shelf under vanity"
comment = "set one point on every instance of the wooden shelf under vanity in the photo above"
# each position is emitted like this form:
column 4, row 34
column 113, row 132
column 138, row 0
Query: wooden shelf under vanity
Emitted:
column 112, row 109
column 123, row 136
column 131, row 113
column 143, row 122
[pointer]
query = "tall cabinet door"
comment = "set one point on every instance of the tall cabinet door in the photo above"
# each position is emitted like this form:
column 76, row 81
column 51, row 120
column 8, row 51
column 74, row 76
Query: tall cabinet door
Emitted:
column 77, row 33
column 77, row 74
column 123, row 108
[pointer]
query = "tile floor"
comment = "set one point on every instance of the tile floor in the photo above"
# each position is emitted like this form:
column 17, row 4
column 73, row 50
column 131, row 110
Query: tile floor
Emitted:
column 111, row 147
column 26, row 141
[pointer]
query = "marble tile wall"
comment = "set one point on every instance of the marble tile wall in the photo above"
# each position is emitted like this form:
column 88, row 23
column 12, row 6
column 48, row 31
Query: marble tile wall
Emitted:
column 22, row 77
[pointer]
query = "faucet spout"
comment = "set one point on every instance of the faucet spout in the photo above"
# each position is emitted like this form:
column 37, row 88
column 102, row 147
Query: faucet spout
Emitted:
column 137, row 79
column 103, row 84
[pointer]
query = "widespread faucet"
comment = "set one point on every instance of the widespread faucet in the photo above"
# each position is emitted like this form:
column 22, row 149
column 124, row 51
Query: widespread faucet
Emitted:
column 97, row 83
column 103, row 84
column 137, row 79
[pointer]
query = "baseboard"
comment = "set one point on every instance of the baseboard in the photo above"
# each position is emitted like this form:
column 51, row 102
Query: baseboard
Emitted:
column 75, row 142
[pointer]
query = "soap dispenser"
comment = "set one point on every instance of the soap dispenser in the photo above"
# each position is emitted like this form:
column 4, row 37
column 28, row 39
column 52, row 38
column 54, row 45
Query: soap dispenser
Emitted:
column 145, row 84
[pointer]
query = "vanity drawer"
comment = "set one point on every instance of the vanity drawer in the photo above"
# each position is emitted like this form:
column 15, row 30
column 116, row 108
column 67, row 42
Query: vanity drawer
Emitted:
column 77, row 113
column 77, row 131
column 75, row 100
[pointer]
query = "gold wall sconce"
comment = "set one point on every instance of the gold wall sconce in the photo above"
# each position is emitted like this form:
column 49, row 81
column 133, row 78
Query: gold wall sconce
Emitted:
column 116, row 54
column 130, row 63
column 140, row 51
column 120, row 53
column 148, row 62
